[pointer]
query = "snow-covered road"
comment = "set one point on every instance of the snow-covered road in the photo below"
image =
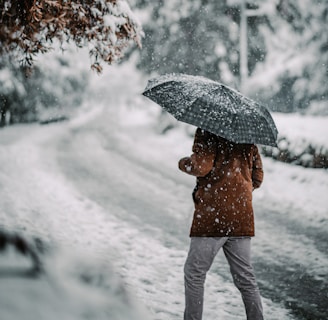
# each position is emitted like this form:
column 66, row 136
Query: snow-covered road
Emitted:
column 112, row 191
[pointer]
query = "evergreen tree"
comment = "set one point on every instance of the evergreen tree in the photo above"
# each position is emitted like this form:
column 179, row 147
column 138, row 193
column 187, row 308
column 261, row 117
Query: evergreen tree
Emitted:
column 294, row 75
column 194, row 37
column 287, row 47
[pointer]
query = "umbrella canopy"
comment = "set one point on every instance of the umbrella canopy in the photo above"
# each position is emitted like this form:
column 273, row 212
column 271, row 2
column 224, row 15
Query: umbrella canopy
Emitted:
column 214, row 107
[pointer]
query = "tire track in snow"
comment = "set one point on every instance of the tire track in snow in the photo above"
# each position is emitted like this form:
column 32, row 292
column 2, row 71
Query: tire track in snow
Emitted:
column 145, row 199
column 295, row 251
column 284, row 249
column 152, row 269
column 292, row 265
column 133, row 227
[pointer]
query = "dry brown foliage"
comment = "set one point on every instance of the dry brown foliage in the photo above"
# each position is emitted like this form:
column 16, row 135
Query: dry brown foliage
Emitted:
column 30, row 26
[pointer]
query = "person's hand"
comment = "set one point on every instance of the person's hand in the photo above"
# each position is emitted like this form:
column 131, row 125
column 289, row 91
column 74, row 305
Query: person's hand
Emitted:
column 183, row 164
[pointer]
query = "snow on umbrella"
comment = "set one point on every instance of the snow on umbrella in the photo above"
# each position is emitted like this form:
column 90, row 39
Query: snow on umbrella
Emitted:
column 214, row 107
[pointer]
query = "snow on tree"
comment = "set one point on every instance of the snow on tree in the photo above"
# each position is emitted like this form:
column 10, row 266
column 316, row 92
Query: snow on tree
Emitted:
column 196, row 37
column 293, row 75
column 30, row 26
column 287, row 48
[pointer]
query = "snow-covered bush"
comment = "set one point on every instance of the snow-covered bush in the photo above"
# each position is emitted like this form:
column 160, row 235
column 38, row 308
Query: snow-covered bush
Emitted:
column 300, row 153
column 302, row 140
column 55, row 87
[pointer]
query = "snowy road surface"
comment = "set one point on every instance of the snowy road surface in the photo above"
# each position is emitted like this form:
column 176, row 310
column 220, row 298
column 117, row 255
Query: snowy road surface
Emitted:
column 113, row 191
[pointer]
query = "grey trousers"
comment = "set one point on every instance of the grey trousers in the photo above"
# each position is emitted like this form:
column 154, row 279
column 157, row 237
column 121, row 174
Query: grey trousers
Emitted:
column 200, row 257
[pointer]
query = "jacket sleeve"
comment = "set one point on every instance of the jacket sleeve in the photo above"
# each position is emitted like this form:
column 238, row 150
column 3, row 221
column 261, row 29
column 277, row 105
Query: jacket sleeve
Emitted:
column 257, row 172
column 201, row 161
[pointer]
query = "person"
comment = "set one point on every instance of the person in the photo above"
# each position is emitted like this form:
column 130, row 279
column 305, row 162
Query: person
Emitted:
column 226, row 173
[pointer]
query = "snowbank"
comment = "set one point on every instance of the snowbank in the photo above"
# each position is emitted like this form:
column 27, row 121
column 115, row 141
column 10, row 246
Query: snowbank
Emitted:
column 302, row 140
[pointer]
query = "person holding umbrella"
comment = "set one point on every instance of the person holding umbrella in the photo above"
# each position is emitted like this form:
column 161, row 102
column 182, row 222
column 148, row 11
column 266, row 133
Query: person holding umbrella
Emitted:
column 228, row 167
column 227, row 173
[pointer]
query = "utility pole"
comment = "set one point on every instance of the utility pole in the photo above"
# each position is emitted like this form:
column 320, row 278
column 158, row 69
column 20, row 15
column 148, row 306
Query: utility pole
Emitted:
column 243, row 46
column 265, row 8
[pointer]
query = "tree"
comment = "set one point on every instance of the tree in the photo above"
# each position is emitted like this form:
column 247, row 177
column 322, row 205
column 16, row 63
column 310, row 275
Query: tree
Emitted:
column 28, row 27
column 55, row 88
column 293, row 76
column 196, row 37
column 31, row 27
column 287, row 47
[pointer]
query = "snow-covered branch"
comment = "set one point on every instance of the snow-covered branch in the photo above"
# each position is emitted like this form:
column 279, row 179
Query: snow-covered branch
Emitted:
column 107, row 26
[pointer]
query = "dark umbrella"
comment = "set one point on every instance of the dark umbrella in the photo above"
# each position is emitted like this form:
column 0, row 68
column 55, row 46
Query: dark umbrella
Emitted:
column 214, row 107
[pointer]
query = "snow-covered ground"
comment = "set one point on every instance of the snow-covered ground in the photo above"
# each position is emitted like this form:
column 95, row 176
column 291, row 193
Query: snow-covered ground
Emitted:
column 104, row 193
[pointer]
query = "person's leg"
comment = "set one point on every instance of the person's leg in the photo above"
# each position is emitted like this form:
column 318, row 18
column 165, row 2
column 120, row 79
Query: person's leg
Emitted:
column 238, row 253
column 200, row 257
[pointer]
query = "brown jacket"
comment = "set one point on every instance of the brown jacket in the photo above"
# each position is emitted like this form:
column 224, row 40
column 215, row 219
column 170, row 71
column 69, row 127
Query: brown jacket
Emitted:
column 227, row 173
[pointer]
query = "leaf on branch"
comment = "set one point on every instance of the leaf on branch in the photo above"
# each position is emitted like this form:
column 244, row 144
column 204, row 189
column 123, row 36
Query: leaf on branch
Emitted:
column 97, row 67
column 31, row 24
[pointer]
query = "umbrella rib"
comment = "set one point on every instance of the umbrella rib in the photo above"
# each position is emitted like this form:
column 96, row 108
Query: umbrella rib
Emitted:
column 225, row 92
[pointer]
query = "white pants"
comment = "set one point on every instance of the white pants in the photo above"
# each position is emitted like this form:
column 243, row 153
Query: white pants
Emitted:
column 200, row 258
